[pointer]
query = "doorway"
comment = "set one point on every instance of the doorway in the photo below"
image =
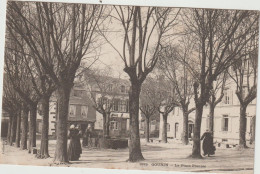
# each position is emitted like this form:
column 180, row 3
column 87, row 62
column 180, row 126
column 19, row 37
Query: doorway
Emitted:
column 190, row 129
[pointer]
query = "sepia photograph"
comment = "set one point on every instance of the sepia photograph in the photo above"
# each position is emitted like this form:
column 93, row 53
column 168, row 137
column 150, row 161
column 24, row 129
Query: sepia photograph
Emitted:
column 129, row 87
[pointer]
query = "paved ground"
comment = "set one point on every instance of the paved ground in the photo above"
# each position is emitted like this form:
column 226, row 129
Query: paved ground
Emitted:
column 172, row 156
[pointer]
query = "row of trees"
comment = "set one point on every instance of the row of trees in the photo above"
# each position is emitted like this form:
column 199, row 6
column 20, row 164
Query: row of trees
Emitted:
column 47, row 41
column 45, row 45
column 215, row 48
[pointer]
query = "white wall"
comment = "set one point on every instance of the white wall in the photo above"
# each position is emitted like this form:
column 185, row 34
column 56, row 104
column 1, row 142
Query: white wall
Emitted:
column 232, row 110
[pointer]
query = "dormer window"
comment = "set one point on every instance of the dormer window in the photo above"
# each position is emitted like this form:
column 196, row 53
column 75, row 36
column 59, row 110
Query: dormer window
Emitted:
column 84, row 111
column 72, row 110
column 227, row 99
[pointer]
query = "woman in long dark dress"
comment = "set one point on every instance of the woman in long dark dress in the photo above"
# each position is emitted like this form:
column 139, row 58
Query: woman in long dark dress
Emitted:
column 74, row 149
column 79, row 133
column 207, row 145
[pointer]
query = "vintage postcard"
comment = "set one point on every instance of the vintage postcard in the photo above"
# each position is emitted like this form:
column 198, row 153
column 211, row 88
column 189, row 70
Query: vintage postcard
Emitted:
column 129, row 87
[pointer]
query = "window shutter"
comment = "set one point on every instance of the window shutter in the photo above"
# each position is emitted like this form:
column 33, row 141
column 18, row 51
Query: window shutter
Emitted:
column 229, row 124
column 222, row 124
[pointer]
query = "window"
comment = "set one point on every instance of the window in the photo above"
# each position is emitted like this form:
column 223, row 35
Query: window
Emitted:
column 84, row 111
column 168, row 127
column 227, row 99
column 115, row 107
column 122, row 106
column 114, row 125
column 224, row 140
column 225, row 123
column 72, row 110
column 122, row 89
column 176, row 127
column 108, row 103
column 127, row 106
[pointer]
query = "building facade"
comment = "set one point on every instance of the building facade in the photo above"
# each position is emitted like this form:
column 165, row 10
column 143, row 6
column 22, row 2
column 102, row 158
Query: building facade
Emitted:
column 81, row 111
column 226, row 119
column 116, row 96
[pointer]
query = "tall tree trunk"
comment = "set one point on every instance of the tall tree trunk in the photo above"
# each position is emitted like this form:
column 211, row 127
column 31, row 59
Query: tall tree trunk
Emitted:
column 32, row 127
column 147, row 131
column 44, row 152
column 104, row 125
column 9, row 141
column 185, row 133
column 242, row 126
column 13, row 130
column 24, row 127
column 211, row 119
column 61, row 155
column 135, row 153
column 107, row 122
column 164, row 130
column 196, row 137
column 18, row 130
column 252, row 129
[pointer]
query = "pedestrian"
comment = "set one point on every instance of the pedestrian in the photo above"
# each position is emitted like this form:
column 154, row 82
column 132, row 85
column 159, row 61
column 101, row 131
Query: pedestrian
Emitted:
column 86, row 134
column 74, row 149
column 207, row 146
column 79, row 134
column 84, row 138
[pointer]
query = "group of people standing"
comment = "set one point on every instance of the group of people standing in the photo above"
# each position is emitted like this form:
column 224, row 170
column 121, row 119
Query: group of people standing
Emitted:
column 75, row 149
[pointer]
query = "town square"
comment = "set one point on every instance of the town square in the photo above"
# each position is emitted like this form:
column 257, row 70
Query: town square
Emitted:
column 129, row 87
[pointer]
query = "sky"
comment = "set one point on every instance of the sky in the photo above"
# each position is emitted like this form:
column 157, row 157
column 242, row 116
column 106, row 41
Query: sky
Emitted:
column 109, row 57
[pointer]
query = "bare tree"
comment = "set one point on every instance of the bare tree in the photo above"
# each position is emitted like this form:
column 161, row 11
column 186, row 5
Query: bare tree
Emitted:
column 69, row 32
column 41, row 83
column 148, row 103
column 12, row 105
column 172, row 66
column 166, row 95
column 214, row 30
column 143, row 31
column 99, row 84
column 216, row 96
column 20, row 78
column 244, row 74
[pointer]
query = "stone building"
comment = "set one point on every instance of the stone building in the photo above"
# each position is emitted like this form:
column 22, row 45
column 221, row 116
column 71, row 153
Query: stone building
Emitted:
column 226, row 119
column 81, row 111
